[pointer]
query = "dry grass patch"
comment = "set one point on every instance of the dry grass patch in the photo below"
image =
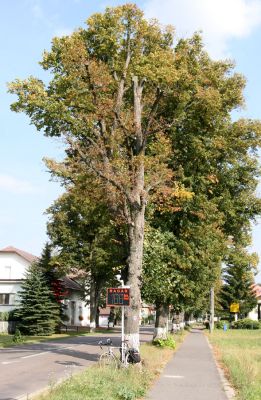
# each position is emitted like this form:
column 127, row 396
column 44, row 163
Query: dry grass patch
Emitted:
column 240, row 352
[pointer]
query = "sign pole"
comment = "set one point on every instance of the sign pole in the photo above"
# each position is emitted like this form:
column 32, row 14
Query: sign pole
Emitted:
column 119, row 296
column 122, row 334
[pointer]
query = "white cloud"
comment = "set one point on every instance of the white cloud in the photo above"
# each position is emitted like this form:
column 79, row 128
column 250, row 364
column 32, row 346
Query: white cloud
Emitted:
column 17, row 186
column 220, row 20
column 42, row 15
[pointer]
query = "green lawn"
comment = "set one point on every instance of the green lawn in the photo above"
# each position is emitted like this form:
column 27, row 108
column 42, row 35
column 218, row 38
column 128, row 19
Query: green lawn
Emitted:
column 97, row 383
column 7, row 340
column 240, row 353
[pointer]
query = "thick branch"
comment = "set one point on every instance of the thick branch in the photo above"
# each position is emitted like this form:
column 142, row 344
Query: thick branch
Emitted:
column 152, row 114
column 97, row 171
column 121, row 87
column 91, row 85
column 137, row 92
column 110, row 180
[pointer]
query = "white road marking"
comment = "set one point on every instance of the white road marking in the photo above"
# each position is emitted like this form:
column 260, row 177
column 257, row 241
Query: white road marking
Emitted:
column 45, row 352
column 35, row 355
column 173, row 376
column 9, row 362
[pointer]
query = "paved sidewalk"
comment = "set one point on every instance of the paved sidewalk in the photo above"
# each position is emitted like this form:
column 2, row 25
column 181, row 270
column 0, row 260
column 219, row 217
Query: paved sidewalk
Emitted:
column 191, row 374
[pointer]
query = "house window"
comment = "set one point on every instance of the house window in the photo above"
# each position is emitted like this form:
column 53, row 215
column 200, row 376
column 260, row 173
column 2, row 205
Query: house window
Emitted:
column 7, row 298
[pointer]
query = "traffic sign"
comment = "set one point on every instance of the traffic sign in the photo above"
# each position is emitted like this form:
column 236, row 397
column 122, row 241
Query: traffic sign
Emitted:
column 118, row 297
column 234, row 307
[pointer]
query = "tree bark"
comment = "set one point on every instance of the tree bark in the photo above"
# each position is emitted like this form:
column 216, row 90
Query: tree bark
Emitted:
column 136, row 211
column 212, row 309
column 136, row 238
column 161, row 324
column 94, row 302
column 93, row 309
column 97, row 318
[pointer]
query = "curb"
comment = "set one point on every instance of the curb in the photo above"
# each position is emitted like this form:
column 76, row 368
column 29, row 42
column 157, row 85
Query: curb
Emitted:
column 228, row 389
column 44, row 390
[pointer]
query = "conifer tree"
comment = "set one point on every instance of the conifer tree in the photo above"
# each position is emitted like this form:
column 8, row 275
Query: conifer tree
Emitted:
column 238, row 280
column 52, row 276
column 38, row 314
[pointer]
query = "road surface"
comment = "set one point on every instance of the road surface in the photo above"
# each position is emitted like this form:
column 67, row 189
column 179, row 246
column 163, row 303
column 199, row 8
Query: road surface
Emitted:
column 26, row 369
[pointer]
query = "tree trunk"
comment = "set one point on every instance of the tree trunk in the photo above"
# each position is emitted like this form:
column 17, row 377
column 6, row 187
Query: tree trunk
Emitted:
column 97, row 318
column 212, row 309
column 161, row 324
column 132, row 315
column 94, row 302
column 93, row 308
column 136, row 211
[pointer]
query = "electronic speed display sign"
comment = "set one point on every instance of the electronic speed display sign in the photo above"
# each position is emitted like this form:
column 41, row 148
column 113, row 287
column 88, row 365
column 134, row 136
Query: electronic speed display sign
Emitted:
column 118, row 297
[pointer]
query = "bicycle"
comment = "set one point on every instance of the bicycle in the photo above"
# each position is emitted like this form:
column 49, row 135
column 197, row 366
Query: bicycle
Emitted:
column 109, row 358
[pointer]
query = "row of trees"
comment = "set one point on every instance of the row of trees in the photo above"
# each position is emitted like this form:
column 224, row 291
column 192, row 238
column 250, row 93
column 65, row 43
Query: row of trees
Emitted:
column 151, row 148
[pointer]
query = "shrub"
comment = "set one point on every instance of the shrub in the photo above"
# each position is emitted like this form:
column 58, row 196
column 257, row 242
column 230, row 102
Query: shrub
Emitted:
column 18, row 338
column 246, row 323
column 169, row 342
column 220, row 324
column 4, row 316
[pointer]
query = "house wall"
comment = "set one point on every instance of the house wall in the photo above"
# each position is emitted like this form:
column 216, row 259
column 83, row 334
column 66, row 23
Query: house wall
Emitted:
column 76, row 307
column 12, row 288
column 12, row 271
column 254, row 313
column 12, row 266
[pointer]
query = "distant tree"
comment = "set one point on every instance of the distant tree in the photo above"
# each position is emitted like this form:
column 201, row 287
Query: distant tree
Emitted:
column 179, row 269
column 38, row 314
column 88, row 242
column 238, row 279
column 52, row 273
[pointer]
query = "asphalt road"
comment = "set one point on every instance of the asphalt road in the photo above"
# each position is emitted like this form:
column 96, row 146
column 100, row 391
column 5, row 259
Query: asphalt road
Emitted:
column 27, row 369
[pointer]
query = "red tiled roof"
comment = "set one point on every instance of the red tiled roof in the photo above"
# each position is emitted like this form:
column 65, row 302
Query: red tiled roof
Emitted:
column 27, row 256
column 257, row 290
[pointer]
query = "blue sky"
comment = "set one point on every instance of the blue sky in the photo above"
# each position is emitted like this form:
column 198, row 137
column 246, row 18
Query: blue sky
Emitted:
column 231, row 29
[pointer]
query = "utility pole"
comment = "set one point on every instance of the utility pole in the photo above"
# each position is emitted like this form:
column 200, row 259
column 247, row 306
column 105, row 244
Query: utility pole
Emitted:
column 212, row 309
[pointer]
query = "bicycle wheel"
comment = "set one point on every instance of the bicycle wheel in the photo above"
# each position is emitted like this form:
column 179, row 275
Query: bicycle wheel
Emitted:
column 107, row 359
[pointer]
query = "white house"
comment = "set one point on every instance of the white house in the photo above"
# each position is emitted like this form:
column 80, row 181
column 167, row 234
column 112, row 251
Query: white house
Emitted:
column 14, row 264
column 255, row 314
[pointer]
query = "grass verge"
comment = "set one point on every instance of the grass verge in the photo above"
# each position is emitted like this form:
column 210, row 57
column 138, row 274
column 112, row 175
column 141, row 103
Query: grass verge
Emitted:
column 240, row 353
column 7, row 340
column 97, row 383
